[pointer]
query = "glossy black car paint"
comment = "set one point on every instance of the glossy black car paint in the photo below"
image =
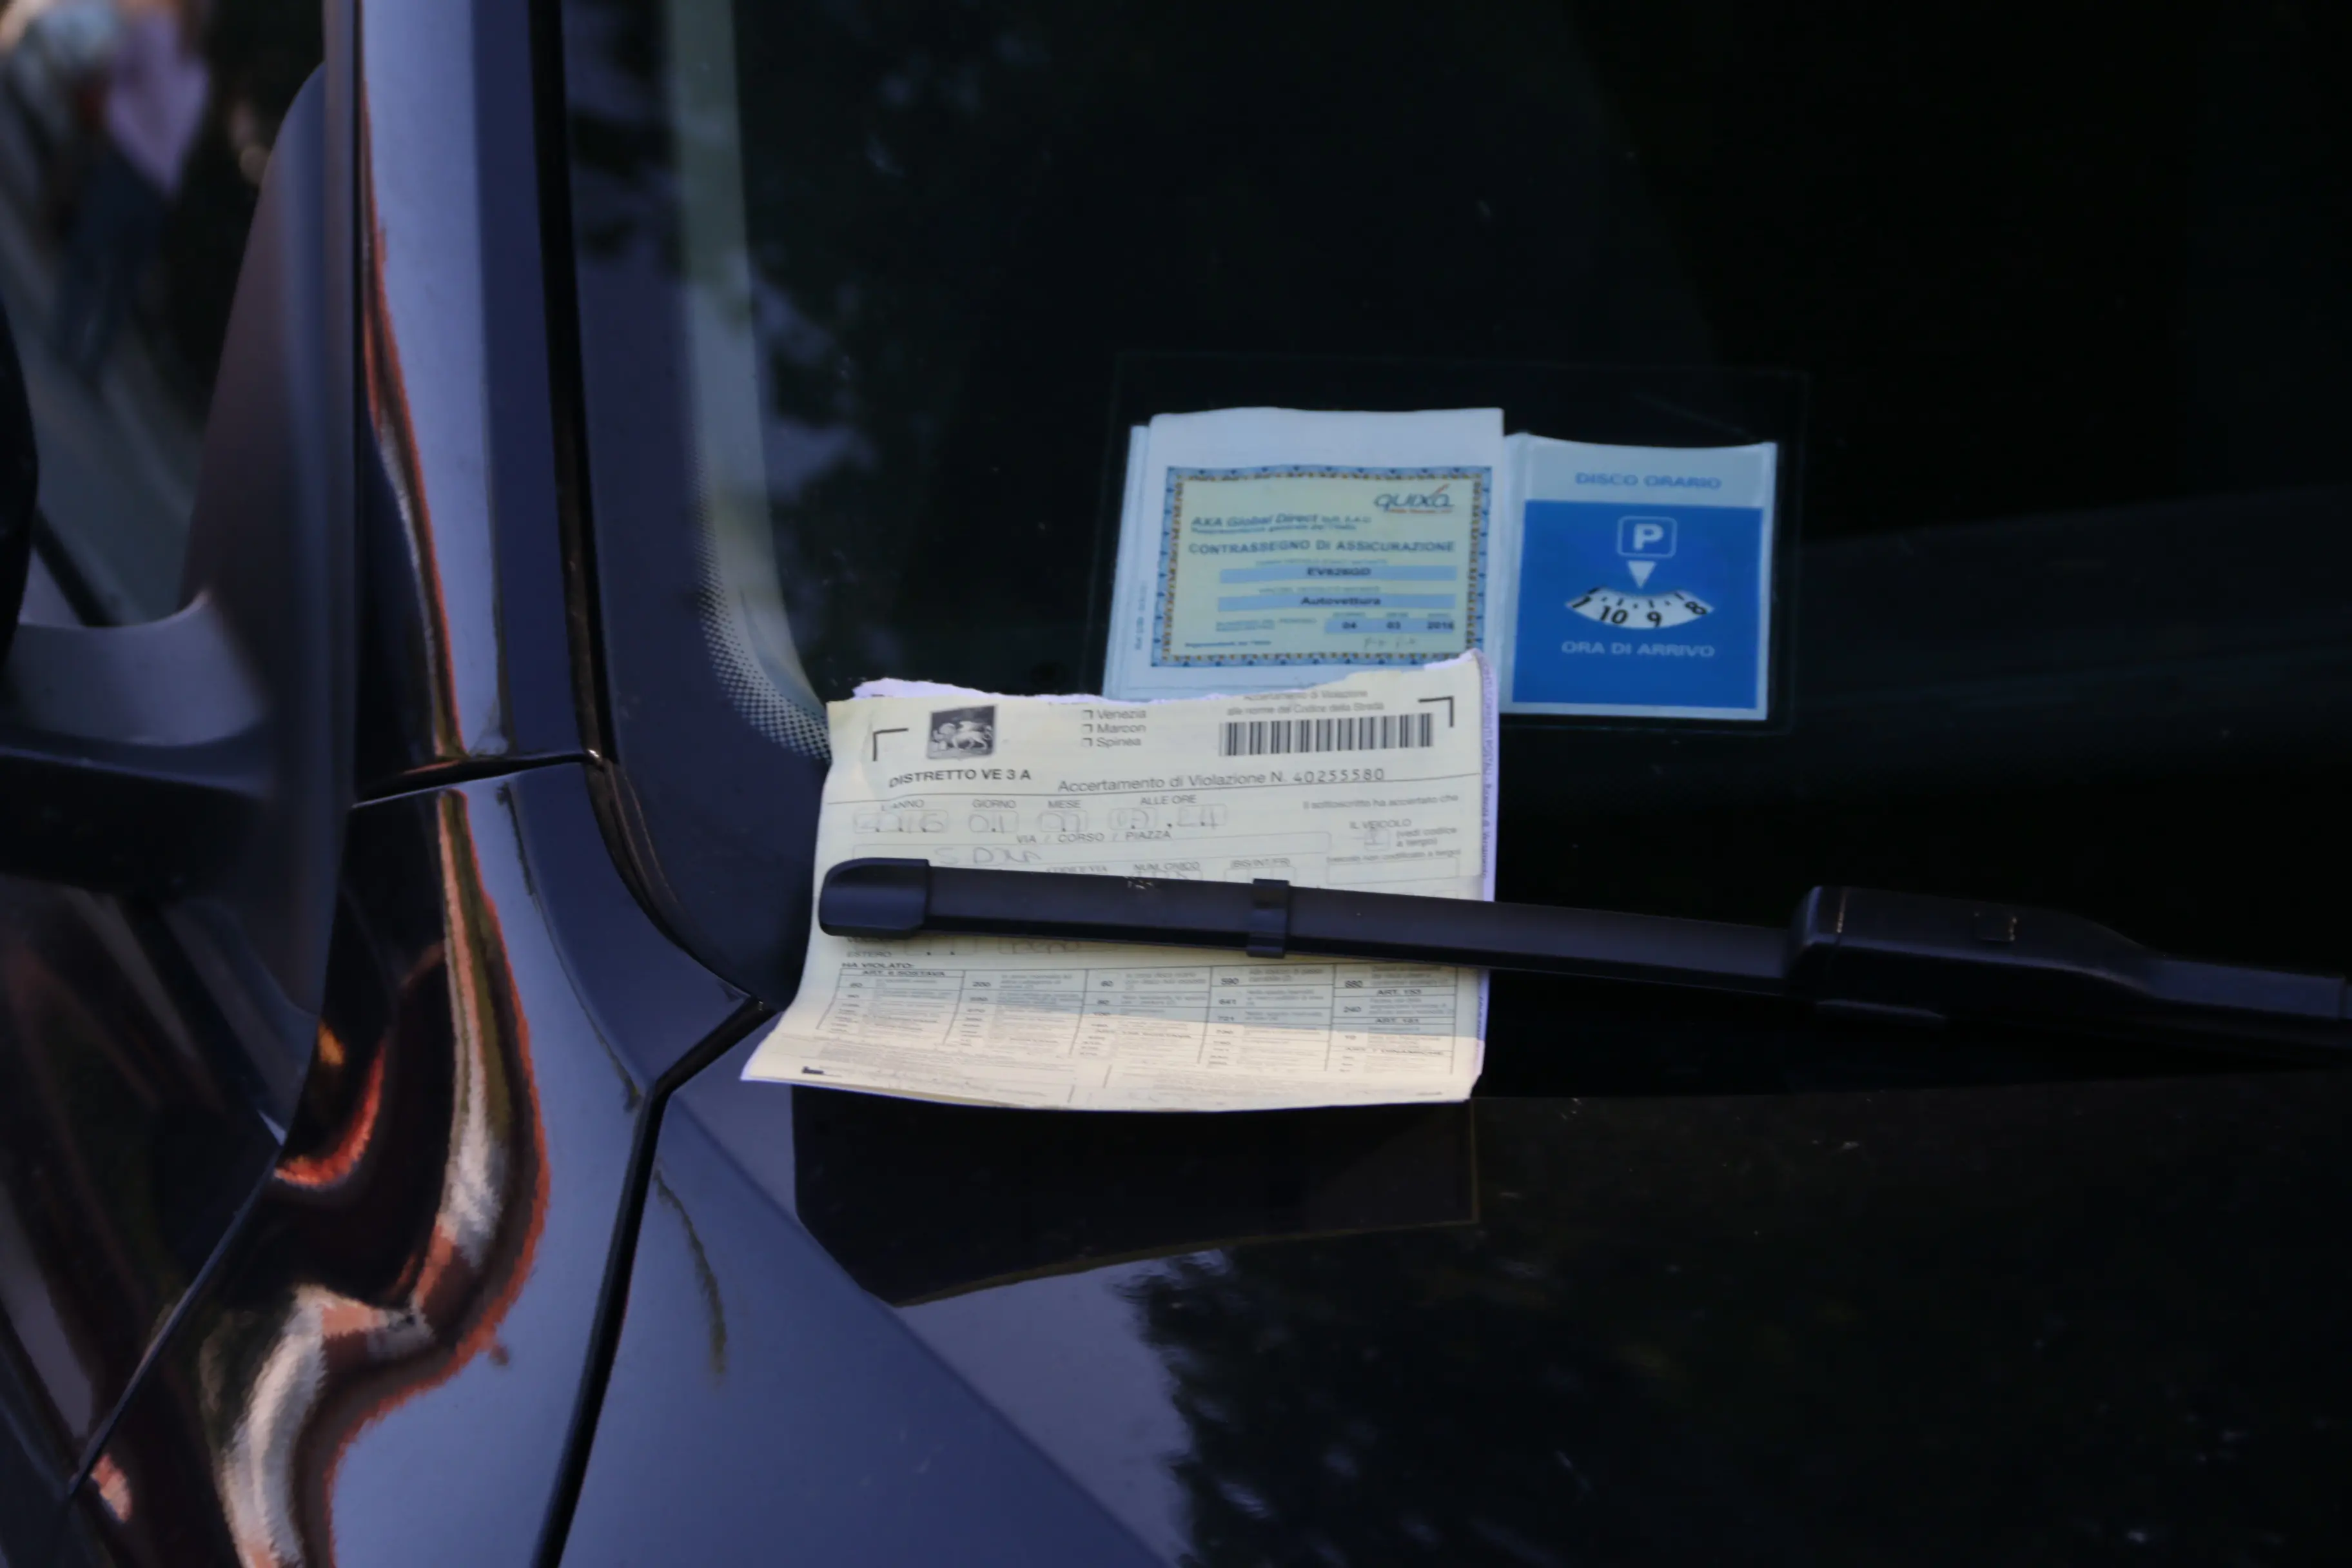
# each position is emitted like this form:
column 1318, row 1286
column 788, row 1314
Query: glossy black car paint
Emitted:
column 764, row 1407
column 409, row 1312
column 2065, row 1323
column 466, row 622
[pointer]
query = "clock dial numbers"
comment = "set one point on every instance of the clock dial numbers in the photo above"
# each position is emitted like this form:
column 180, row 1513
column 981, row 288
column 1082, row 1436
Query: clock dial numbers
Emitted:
column 1639, row 612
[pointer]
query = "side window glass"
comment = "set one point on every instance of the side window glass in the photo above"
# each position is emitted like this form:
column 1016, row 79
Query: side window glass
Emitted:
column 134, row 135
column 134, row 138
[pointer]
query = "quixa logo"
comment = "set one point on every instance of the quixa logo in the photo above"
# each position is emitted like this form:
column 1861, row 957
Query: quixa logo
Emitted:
column 1439, row 499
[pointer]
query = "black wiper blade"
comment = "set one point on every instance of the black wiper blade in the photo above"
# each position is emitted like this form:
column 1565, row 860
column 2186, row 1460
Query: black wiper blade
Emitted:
column 1847, row 950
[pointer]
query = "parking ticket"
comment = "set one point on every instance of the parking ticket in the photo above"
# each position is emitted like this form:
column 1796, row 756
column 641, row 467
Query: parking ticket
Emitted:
column 1384, row 780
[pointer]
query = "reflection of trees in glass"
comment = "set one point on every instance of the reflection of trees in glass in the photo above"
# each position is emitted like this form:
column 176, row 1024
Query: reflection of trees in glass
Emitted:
column 1956, row 1328
column 960, row 215
column 1425, row 1398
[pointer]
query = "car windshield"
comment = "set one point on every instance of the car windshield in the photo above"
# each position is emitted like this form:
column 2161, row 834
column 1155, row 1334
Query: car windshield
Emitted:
column 2046, row 308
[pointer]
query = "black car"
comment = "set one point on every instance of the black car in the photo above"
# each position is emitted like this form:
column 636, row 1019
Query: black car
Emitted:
column 525, row 416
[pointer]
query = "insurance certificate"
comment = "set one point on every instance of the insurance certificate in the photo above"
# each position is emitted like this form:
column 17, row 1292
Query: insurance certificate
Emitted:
column 1380, row 781
column 1267, row 548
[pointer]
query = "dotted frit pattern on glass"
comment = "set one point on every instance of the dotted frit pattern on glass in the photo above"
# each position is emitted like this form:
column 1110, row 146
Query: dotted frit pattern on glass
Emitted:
column 792, row 722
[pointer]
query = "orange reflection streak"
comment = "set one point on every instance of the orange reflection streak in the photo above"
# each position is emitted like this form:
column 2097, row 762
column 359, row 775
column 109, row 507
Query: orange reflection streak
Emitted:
column 113, row 1488
column 389, row 417
column 331, row 1364
column 330, row 1168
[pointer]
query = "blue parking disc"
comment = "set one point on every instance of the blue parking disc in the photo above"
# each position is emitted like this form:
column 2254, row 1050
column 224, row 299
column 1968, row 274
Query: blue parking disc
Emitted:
column 1643, row 601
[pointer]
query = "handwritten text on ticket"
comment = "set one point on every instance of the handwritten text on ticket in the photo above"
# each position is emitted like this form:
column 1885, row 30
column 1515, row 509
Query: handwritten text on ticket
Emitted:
column 1377, row 782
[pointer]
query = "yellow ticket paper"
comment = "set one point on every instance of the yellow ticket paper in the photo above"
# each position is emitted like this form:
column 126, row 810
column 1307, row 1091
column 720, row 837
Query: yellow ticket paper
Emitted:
column 1382, row 781
column 1264, row 549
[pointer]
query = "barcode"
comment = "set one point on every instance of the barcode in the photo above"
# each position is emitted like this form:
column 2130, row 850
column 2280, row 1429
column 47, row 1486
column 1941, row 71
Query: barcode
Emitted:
column 1364, row 732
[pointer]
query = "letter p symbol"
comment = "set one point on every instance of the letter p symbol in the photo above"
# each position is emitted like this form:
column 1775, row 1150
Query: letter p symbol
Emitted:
column 1645, row 538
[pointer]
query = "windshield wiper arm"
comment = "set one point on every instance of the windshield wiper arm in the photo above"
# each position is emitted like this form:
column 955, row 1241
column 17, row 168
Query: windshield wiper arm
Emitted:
column 1847, row 950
